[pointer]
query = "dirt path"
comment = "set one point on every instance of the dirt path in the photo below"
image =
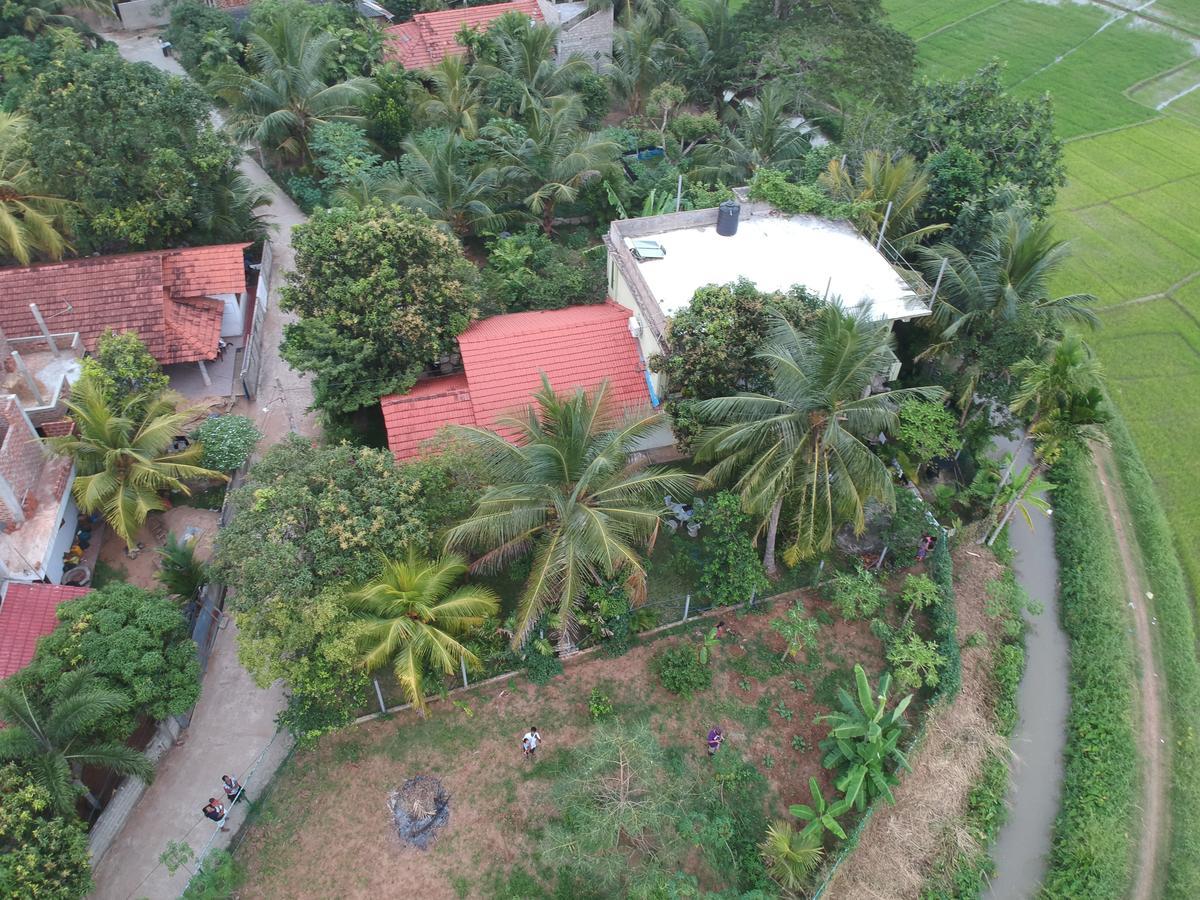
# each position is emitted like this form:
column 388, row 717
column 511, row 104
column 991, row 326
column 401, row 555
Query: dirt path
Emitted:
column 1152, row 743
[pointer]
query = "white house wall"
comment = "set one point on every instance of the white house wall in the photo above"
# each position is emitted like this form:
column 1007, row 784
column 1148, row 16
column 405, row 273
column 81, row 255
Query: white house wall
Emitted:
column 68, row 516
column 232, row 317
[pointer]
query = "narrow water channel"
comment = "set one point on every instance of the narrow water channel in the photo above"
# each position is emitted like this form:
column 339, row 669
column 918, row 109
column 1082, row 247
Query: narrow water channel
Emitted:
column 1043, row 703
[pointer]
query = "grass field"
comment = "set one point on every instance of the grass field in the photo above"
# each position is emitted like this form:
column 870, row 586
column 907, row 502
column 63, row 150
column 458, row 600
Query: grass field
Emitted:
column 1126, row 92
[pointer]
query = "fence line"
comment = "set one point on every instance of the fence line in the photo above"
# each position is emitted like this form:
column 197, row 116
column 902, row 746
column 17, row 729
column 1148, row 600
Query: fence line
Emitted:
column 693, row 617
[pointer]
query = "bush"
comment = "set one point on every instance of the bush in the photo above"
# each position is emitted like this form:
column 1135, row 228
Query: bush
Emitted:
column 1091, row 853
column 599, row 705
column 773, row 186
column 528, row 271
column 907, row 527
column 227, row 442
column 926, row 431
column 202, row 38
column 681, row 671
column 731, row 571
column 41, row 855
column 914, row 661
column 944, row 617
column 123, row 368
column 541, row 667
column 857, row 594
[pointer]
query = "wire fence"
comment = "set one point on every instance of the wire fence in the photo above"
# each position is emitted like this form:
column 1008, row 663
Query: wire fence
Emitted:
column 386, row 697
column 246, row 781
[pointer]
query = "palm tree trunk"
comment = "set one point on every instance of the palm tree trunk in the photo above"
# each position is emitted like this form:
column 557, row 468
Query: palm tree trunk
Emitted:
column 548, row 218
column 1012, row 463
column 1012, row 505
column 772, row 534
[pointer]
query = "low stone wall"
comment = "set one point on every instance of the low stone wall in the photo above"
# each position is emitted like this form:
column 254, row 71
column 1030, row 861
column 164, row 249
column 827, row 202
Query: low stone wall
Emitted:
column 125, row 798
column 138, row 14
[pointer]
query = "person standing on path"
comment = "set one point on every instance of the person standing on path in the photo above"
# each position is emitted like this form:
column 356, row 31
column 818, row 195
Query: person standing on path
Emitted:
column 233, row 790
column 215, row 811
column 529, row 743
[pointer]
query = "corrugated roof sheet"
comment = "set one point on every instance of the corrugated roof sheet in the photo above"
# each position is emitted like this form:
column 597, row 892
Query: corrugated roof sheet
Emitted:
column 26, row 614
column 504, row 358
column 429, row 37
column 160, row 294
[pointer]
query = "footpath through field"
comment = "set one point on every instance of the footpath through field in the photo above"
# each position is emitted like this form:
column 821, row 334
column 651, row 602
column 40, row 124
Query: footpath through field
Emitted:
column 234, row 721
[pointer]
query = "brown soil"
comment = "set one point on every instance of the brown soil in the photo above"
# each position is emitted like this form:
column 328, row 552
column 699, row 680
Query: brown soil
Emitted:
column 1153, row 748
column 901, row 841
column 178, row 519
column 327, row 829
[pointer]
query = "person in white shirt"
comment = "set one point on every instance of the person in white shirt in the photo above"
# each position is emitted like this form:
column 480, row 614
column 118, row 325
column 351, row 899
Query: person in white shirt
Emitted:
column 529, row 743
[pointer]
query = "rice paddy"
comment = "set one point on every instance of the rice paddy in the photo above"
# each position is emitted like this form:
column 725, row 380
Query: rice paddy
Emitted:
column 1126, row 91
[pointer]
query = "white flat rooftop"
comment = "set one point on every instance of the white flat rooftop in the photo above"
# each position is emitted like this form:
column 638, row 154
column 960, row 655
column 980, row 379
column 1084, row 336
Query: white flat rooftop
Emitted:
column 776, row 252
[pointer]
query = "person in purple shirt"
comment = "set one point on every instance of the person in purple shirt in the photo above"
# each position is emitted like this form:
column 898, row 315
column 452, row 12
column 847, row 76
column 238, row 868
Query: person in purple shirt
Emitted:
column 715, row 737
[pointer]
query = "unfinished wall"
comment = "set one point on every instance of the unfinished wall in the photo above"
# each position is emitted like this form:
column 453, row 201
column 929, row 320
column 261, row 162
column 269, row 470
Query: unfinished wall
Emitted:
column 587, row 36
column 21, row 454
column 136, row 14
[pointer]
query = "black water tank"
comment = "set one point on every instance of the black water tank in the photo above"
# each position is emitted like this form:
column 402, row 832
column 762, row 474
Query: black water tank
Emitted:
column 727, row 218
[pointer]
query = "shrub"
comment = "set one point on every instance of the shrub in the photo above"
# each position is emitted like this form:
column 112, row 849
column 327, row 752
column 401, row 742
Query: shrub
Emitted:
column 944, row 617
column 599, row 705
column 528, row 271
column 797, row 629
column 731, row 571
column 541, row 667
column 907, row 527
column 857, row 594
column 123, row 368
column 914, row 661
column 202, row 38
column 926, row 430
column 773, row 186
column 227, row 442
column 681, row 671
column 41, row 855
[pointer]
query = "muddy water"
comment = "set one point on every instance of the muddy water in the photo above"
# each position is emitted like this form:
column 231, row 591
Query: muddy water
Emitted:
column 1043, row 702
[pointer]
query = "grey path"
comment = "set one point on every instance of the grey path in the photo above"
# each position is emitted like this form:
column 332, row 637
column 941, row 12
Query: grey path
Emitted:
column 1042, row 703
column 233, row 725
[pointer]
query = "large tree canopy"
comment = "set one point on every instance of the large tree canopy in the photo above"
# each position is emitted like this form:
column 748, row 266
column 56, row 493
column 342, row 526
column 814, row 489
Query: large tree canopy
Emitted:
column 135, row 641
column 133, row 146
column 973, row 123
column 381, row 293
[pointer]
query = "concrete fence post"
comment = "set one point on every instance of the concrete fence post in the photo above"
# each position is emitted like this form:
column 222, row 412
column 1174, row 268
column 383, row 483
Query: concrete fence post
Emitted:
column 379, row 696
column 462, row 664
column 687, row 605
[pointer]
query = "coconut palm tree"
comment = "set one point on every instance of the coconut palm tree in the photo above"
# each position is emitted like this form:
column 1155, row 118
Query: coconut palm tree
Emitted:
column 43, row 15
column 123, row 456
column 439, row 182
column 892, row 191
column 409, row 618
column 806, row 440
column 762, row 137
column 32, row 222
column 453, row 99
column 228, row 210
column 525, row 51
column 551, row 156
column 569, row 492
column 51, row 736
column 286, row 96
column 639, row 59
column 1012, row 272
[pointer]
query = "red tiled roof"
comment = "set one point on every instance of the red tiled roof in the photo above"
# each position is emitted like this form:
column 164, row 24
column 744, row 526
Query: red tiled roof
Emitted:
column 504, row 358
column 160, row 294
column 429, row 37
column 415, row 417
column 26, row 614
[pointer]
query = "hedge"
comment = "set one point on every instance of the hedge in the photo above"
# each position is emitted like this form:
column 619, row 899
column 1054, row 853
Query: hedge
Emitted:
column 1175, row 635
column 944, row 618
column 1095, row 833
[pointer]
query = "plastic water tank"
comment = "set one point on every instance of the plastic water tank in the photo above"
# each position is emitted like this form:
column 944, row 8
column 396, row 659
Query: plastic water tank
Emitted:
column 727, row 218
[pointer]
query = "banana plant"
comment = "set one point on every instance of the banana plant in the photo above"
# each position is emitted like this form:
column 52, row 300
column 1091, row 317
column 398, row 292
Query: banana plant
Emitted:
column 707, row 643
column 822, row 816
column 863, row 741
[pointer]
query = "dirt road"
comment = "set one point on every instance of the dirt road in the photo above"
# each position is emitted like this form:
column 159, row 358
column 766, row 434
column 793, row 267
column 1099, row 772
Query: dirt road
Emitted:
column 1152, row 743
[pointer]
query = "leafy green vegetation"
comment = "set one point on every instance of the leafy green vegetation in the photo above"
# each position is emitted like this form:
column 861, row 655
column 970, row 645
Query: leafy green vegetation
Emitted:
column 1092, row 845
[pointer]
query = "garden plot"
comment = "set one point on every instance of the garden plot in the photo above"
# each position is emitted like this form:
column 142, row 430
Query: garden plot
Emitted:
column 327, row 830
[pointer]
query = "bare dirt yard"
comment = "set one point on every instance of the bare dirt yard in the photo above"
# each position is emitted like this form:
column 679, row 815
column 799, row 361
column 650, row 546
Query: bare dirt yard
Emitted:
column 326, row 829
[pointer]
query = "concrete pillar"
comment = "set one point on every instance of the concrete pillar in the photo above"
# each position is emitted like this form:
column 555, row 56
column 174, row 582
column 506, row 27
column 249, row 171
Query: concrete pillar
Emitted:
column 30, row 382
column 9, row 498
column 37, row 314
column 204, row 373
